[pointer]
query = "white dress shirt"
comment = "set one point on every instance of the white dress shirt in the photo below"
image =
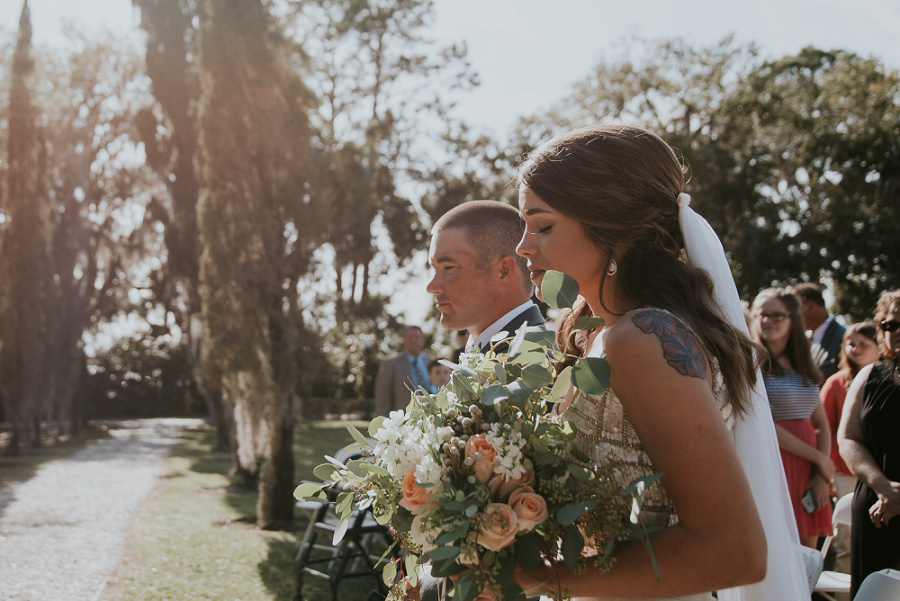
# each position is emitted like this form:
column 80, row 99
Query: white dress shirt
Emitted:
column 497, row 327
column 817, row 334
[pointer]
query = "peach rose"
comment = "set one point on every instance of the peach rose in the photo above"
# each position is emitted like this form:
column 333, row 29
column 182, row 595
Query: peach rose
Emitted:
column 484, row 463
column 501, row 486
column 530, row 507
column 415, row 498
column 498, row 526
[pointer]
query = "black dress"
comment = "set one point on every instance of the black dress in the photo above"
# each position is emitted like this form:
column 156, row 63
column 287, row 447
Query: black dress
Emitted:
column 874, row 548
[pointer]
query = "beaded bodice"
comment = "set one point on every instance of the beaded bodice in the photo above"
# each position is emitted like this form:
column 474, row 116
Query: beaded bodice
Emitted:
column 605, row 434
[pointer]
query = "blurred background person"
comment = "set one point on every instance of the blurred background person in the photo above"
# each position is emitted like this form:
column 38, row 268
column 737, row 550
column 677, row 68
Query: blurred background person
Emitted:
column 460, row 338
column 826, row 334
column 438, row 374
column 792, row 383
column 869, row 439
column 858, row 350
column 402, row 373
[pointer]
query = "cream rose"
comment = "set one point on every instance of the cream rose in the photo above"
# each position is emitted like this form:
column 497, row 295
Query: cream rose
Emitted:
column 482, row 453
column 415, row 498
column 530, row 508
column 501, row 486
column 498, row 526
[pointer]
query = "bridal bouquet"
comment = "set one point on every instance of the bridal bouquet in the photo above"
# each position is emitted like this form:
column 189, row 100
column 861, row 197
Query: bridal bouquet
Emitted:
column 483, row 477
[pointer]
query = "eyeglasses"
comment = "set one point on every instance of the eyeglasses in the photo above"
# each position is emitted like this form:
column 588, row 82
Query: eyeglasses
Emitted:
column 773, row 317
column 890, row 326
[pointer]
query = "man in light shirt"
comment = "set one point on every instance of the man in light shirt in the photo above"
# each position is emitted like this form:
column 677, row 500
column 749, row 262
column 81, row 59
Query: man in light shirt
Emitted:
column 827, row 334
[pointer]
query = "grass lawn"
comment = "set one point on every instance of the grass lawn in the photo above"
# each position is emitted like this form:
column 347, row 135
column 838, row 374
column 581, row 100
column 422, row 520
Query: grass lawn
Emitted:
column 196, row 539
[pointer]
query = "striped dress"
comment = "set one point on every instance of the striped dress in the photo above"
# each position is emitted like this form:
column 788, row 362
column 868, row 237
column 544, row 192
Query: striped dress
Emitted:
column 792, row 402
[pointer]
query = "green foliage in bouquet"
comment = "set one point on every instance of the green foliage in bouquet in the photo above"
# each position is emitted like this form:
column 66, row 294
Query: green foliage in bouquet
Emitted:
column 484, row 476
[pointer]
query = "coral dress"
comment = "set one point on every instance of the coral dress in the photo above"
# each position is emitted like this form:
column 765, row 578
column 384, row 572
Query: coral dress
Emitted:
column 793, row 401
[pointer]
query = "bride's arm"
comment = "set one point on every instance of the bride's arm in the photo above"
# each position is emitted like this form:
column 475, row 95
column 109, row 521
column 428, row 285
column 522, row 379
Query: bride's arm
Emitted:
column 719, row 541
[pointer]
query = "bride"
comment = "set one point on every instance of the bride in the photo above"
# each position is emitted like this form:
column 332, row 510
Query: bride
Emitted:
column 606, row 206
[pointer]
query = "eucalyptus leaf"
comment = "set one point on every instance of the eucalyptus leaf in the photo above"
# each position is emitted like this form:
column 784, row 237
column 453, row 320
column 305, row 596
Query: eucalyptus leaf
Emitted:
column 500, row 372
column 562, row 385
column 517, row 340
column 412, row 568
column 541, row 335
column 443, row 553
column 591, row 375
column 569, row 513
column 528, row 353
column 527, row 552
column 452, row 535
column 581, row 473
column 466, row 588
column 339, row 532
column 325, row 472
column 307, row 489
column 389, row 574
column 384, row 519
column 338, row 464
column 357, row 435
column 344, row 506
column 491, row 395
column 375, row 425
column 355, row 467
column 442, row 568
column 462, row 387
column 588, row 323
column 558, row 289
column 374, row 469
column 572, row 544
column 536, row 376
column 457, row 367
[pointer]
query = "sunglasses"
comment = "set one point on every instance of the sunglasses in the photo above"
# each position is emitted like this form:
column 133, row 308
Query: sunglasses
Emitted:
column 890, row 326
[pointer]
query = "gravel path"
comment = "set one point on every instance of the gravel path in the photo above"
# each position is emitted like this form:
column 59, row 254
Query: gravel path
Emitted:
column 62, row 532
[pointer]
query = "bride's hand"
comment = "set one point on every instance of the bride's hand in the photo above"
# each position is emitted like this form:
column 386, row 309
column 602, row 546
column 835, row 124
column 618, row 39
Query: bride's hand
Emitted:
column 543, row 580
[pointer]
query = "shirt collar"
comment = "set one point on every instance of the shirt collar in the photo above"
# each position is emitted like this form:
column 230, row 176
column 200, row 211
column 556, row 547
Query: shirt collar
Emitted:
column 496, row 327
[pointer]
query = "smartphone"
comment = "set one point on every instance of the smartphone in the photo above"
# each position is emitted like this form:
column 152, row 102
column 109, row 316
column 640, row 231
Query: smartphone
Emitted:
column 808, row 501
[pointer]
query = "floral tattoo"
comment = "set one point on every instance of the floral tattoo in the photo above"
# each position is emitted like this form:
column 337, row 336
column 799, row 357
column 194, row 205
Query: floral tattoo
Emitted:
column 679, row 348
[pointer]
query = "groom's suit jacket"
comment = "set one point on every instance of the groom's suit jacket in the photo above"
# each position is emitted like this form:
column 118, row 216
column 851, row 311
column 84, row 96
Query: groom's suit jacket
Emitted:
column 430, row 587
column 827, row 352
column 394, row 382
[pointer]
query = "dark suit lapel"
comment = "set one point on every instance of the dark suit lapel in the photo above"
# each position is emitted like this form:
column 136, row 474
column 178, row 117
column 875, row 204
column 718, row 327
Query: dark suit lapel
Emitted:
column 530, row 316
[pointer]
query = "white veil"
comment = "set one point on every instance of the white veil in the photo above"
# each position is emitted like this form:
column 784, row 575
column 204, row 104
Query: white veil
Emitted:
column 755, row 437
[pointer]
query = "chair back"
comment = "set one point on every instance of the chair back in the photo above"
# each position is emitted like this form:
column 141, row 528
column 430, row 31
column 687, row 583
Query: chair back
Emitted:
column 813, row 562
column 883, row 585
column 843, row 510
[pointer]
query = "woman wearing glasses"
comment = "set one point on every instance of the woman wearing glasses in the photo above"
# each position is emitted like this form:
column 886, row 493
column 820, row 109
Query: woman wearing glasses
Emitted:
column 792, row 383
column 869, row 439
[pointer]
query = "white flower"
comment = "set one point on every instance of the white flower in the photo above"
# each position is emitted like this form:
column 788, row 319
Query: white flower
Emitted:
column 508, row 443
column 404, row 444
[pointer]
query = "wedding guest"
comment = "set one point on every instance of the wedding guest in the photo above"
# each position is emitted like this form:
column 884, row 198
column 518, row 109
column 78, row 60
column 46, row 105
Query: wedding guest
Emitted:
column 606, row 205
column 402, row 373
column 858, row 350
column 870, row 444
column 792, row 380
column 460, row 337
column 438, row 374
column 825, row 333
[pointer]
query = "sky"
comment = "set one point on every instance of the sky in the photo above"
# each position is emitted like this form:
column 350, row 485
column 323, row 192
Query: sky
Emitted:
column 528, row 53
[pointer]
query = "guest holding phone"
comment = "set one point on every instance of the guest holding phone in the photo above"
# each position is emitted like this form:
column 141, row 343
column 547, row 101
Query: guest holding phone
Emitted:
column 869, row 439
column 792, row 383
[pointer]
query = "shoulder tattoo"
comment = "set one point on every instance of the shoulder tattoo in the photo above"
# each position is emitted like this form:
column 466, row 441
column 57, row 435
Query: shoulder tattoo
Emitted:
column 679, row 348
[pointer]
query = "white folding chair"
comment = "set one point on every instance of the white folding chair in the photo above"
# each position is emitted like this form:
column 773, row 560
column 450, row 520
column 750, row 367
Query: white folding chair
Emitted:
column 883, row 585
column 831, row 582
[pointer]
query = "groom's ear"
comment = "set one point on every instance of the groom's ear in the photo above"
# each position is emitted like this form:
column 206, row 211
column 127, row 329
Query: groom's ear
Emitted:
column 506, row 268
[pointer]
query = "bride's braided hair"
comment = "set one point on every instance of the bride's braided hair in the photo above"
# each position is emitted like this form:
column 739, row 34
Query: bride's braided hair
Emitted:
column 621, row 184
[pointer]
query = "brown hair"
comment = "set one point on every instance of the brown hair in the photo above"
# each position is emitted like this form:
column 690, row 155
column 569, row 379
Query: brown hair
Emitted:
column 493, row 228
column 846, row 365
column 809, row 292
column 888, row 299
column 621, row 184
column 797, row 350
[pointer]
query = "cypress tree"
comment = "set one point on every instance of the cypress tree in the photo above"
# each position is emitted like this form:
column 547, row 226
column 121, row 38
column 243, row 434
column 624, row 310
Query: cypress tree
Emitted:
column 24, row 258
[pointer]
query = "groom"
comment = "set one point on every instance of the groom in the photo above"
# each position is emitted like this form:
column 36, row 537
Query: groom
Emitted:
column 479, row 284
column 479, row 281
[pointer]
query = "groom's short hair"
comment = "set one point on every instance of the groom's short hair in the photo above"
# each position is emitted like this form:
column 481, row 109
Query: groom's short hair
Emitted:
column 492, row 227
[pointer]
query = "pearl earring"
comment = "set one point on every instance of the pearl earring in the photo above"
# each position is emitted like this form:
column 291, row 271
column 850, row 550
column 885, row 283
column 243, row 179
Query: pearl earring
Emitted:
column 613, row 267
